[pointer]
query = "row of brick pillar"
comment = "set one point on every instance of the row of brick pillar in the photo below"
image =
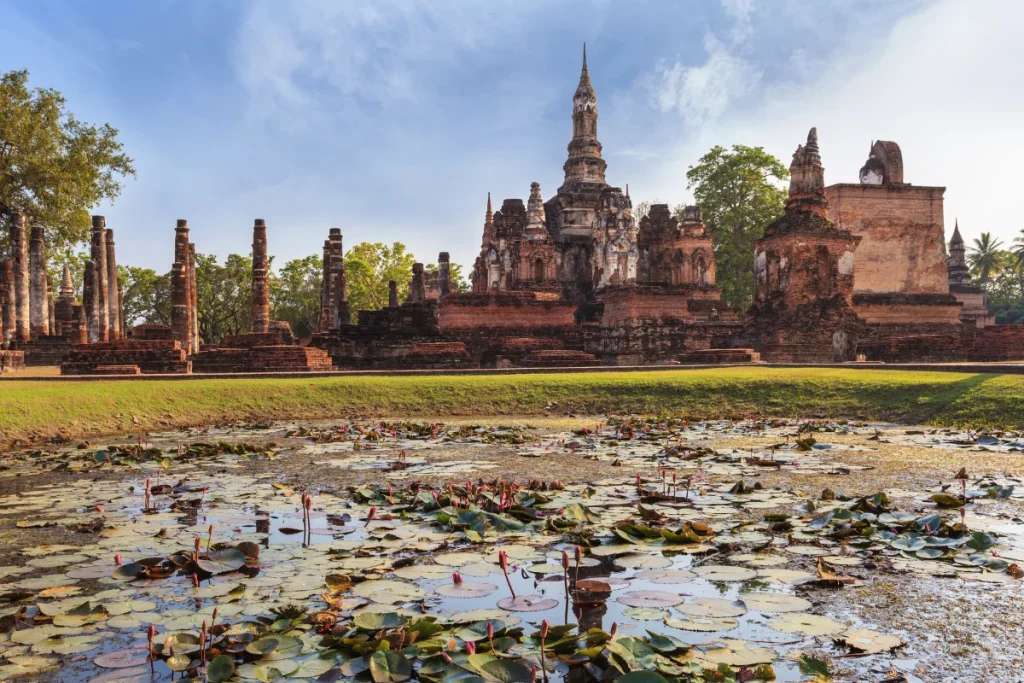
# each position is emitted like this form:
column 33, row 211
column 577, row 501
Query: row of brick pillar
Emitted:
column 184, row 298
column 334, row 290
column 28, row 309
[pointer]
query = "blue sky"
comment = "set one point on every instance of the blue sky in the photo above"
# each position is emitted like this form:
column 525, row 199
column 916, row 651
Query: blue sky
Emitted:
column 393, row 119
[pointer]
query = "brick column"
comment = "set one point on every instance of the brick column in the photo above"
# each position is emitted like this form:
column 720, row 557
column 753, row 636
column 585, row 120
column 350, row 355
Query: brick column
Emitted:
column 417, row 286
column 180, row 296
column 260, row 284
column 21, row 299
column 325, row 290
column 51, row 313
column 91, row 302
column 339, row 293
column 99, row 256
column 8, row 320
column 444, row 277
column 120, row 308
column 392, row 294
column 39, row 321
column 193, row 298
column 113, row 299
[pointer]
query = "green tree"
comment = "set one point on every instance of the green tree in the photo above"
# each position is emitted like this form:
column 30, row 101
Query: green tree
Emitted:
column 224, row 294
column 458, row 280
column 147, row 296
column 295, row 294
column 53, row 167
column 369, row 266
column 986, row 258
column 1005, row 291
column 740, row 194
column 1018, row 251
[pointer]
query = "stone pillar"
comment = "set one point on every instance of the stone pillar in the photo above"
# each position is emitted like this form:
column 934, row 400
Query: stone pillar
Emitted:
column 260, row 286
column 444, row 277
column 181, row 315
column 338, row 295
column 113, row 298
column 99, row 256
column 392, row 294
column 193, row 302
column 120, row 309
column 8, row 314
column 79, row 333
column 417, row 286
column 91, row 302
column 325, row 290
column 21, row 299
column 39, row 313
column 51, row 313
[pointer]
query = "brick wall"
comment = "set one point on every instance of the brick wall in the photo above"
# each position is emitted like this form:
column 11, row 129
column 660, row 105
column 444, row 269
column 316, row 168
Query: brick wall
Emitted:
column 903, row 247
column 504, row 310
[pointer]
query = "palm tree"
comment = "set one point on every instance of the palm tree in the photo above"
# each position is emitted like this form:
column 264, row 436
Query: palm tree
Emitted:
column 985, row 259
column 1018, row 251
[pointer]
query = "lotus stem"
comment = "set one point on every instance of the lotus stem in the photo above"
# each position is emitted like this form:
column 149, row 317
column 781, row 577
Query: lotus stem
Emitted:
column 544, row 626
column 209, row 540
column 579, row 559
column 503, row 563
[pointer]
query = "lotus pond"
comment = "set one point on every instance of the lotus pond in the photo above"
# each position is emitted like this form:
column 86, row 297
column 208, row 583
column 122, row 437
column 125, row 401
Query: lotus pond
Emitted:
column 598, row 549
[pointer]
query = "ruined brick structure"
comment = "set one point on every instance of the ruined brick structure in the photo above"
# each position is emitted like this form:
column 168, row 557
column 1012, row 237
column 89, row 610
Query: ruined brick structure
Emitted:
column 114, row 310
column 334, row 309
column 8, row 307
column 803, row 274
column 39, row 324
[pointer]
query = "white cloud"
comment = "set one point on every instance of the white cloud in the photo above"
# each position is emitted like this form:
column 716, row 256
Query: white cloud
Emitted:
column 739, row 11
column 295, row 56
column 941, row 82
column 702, row 93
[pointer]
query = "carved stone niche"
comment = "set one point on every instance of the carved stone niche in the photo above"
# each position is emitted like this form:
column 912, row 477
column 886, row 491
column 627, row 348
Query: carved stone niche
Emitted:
column 884, row 165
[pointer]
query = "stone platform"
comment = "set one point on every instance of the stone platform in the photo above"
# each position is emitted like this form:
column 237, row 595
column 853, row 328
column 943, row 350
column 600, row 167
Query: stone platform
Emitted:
column 274, row 358
column 152, row 356
column 719, row 356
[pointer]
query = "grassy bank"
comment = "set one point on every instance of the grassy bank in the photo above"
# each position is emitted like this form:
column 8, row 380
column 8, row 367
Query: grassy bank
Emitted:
column 31, row 411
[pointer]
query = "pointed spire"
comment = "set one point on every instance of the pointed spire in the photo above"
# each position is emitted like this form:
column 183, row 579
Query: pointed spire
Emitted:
column 627, row 190
column 65, row 282
column 584, row 73
column 956, row 239
column 812, row 144
column 489, row 216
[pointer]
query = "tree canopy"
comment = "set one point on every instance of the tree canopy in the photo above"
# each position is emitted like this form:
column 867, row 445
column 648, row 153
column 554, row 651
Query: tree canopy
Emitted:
column 53, row 167
column 455, row 275
column 369, row 266
column 740, row 194
column 295, row 294
column 986, row 257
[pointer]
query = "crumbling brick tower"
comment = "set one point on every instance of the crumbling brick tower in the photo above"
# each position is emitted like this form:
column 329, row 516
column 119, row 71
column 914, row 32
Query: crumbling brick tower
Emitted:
column 334, row 310
column 8, row 312
column 260, row 285
column 19, row 263
column 99, row 257
column 803, row 269
column 38, row 284
column 114, row 331
column 182, row 286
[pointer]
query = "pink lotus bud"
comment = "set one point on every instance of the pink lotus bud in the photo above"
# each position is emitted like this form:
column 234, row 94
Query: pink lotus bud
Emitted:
column 490, row 630
column 565, row 560
column 147, row 484
column 215, row 612
column 309, row 503
column 579, row 554
column 99, row 509
column 470, row 648
column 457, row 579
column 503, row 560
column 195, row 579
column 615, row 627
column 373, row 513
column 544, row 626
column 117, row 560
column 445, row 657
column 198, row 543
column 152, row 633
